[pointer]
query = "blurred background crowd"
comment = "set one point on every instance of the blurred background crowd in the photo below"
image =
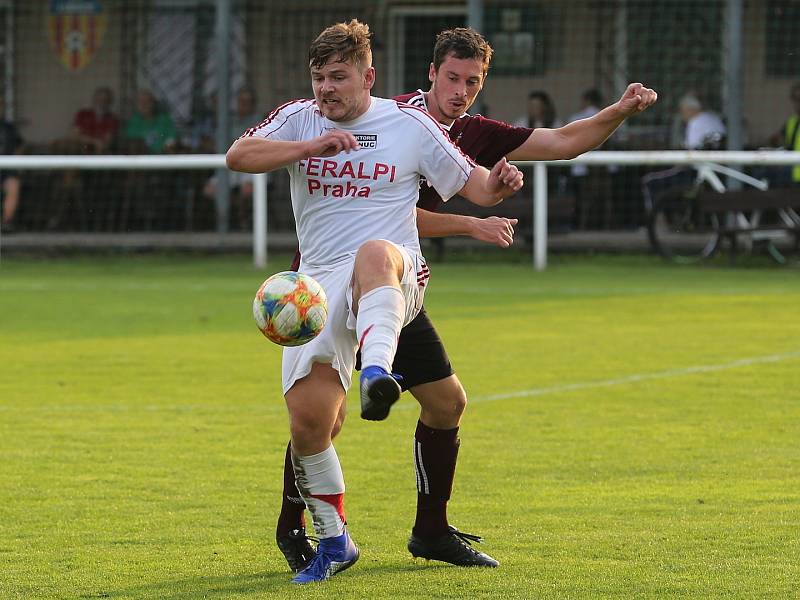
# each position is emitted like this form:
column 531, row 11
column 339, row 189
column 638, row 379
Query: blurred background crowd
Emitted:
column 98, row 77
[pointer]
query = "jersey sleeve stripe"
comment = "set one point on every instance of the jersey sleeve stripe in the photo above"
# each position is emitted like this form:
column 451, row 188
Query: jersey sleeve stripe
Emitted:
column 416, row 100
column 271, row 116
column 403, row 106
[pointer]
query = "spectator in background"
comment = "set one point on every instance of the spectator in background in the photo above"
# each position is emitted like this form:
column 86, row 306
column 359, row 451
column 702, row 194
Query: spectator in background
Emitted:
column 94, row 131
column 591, row 103
column 149, row 126
column 149, row 198
column 541, row 112
column 241, row 184
column 591, row 187
column 704, row 129
column 788, row 137
column 10, row 143
column 247, row 115
column 97, row 127
column 201, row 135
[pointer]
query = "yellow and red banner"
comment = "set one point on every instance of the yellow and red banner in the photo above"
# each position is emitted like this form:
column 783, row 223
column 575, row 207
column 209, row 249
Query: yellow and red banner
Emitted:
column 75, row 29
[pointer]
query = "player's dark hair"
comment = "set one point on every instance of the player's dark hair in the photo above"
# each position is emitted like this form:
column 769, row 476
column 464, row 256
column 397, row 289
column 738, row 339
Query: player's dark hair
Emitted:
column 463, row 43
column 342, row 42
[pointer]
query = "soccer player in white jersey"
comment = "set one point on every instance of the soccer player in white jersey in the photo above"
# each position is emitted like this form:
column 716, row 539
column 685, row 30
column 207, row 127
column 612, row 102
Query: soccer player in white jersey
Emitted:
column 355, row 162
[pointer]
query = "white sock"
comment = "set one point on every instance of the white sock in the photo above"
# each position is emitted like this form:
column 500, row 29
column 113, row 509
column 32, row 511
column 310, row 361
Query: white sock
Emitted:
column 380, row 317
column 320, row 481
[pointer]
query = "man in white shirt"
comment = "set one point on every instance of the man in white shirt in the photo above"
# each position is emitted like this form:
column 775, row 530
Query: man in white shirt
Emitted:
column 702, row 127
column 704, row 131
column 355, row 162
column 591, row 103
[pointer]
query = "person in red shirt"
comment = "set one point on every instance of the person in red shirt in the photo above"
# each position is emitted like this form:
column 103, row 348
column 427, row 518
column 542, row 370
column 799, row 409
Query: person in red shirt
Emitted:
column 10, row 143
column 97, row 127
column 460, row 64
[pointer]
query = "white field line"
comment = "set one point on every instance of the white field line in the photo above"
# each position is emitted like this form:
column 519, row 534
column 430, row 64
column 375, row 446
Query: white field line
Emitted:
column 636, row 378
column 543, row 391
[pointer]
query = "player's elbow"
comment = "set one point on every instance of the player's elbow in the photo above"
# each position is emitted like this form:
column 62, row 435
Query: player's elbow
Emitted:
column 233, row 159
column 566, row 144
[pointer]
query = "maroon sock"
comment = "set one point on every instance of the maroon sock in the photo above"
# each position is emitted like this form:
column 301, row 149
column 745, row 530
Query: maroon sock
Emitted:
column 292, row 507
column 435, row 454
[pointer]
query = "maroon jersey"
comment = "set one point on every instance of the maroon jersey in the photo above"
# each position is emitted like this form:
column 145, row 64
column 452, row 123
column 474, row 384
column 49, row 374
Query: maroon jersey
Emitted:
column 484, row 140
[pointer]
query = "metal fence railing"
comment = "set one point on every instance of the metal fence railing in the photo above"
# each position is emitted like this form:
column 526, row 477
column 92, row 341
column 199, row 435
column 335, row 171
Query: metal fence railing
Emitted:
column 155, row 162
column 651, row 158
column 540, row 177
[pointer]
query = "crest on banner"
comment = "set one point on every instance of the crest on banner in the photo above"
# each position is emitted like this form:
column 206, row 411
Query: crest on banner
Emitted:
column 75, row 29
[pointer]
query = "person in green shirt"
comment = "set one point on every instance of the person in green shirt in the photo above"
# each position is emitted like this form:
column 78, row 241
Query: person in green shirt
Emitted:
column 791, row 131
column 148, row 196
column 155, row 129
column 788, row 137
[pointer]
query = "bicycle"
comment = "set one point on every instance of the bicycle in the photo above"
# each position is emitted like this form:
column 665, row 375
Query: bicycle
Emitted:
column 688, row 224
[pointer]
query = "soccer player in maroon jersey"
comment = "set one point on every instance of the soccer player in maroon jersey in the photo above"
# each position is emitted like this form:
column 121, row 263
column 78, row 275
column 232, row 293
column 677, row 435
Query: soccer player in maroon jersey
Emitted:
column 460, row 64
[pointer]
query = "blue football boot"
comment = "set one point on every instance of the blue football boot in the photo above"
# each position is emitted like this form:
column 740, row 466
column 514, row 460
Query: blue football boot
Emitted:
column 333, row 556
column 379, row 390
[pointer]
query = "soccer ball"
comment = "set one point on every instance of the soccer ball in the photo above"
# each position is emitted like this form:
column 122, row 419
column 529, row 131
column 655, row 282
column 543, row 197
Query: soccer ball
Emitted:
column 290, row 308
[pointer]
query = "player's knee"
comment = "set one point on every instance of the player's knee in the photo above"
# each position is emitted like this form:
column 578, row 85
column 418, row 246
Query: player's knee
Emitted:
column 376, row 256
column 448, row 408
column 457, row 402
column 306, row 429
column 338, row 424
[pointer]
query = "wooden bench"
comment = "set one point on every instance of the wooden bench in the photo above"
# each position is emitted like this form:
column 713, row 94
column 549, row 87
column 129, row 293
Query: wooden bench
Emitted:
column 748, row 201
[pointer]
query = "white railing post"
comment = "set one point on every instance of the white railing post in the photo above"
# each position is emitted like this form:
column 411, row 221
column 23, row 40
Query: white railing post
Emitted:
column 260, row 220
column 540, row 216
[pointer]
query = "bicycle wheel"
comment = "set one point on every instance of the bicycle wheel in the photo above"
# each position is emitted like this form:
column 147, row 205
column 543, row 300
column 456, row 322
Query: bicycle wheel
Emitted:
column 680, row 232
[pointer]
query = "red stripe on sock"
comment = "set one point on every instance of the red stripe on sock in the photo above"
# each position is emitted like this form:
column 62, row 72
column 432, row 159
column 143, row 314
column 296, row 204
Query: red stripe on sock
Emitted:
column 363, row 335
column 336, row 500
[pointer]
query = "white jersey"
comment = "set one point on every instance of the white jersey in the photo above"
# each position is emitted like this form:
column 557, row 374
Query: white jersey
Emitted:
column 371, row 193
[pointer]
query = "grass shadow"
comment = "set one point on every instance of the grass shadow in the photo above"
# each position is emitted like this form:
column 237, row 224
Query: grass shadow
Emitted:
column 257, row 584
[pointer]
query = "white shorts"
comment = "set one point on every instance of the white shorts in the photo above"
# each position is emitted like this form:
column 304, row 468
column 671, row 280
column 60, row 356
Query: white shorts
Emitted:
column 337, row 344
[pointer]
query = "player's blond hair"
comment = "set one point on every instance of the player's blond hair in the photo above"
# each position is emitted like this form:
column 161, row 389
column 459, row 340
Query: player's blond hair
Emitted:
column 463, row 43
column 342, row 42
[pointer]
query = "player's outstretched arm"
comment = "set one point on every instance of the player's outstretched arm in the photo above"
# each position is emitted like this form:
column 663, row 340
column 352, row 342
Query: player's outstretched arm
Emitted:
column 259, row 155
column 487, row 188
column 492, row 230
column 586, row 134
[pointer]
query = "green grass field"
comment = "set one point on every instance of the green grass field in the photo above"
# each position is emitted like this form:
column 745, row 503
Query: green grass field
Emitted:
column 633, row 432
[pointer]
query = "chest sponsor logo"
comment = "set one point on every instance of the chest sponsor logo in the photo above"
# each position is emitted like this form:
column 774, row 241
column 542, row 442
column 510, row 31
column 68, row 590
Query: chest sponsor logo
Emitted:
column 338, row 179
column 367, row 141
